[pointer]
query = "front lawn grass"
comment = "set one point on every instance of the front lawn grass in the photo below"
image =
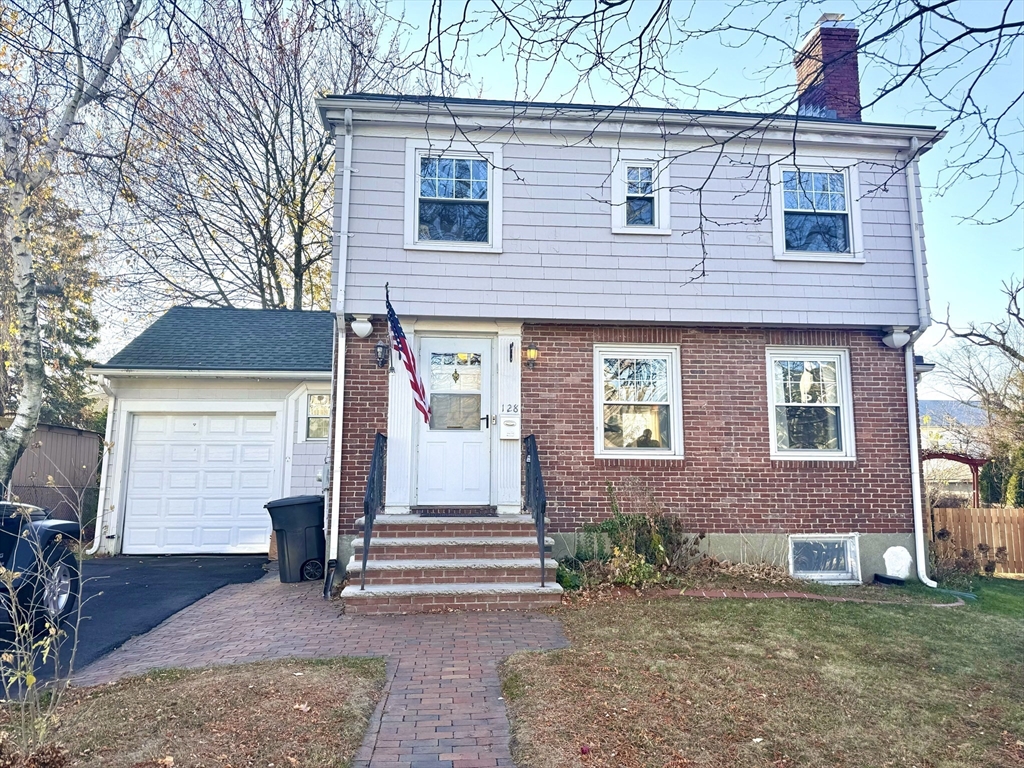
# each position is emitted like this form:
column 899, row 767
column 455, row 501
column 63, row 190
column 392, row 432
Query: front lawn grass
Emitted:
column 688, row 682
column 309, row 713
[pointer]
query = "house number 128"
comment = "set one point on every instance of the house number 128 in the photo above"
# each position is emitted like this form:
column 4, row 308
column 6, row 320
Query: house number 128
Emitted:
column 510, row 407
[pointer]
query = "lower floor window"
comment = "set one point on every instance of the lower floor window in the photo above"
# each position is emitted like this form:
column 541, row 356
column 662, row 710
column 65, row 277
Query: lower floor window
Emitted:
column 637, row 401
column 825, row 558
column 810, row 403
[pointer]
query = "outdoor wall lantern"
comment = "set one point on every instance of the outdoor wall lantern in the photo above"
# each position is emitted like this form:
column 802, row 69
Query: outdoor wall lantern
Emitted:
column 381, row 353
column 532, row 353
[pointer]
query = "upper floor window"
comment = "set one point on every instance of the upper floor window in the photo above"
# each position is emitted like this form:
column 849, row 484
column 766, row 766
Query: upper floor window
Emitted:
column 453, row 203
column 453, row 196
column 816, row 211
column 637, row 401
column 816, row 215
column 640, row 194
column 810, row 403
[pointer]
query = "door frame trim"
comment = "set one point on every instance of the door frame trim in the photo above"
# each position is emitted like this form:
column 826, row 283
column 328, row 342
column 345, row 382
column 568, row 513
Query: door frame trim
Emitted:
column 403, row 431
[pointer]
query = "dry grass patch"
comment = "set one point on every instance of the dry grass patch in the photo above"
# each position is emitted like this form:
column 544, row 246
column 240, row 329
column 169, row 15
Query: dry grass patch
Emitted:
column 679, row 682
column 286, row 713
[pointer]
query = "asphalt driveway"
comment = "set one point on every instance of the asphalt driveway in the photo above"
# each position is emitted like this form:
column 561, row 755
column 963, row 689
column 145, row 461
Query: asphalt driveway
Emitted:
column 127, row 596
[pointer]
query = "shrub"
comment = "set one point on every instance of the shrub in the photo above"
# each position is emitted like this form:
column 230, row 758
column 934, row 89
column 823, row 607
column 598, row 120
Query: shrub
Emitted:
column 635, row 547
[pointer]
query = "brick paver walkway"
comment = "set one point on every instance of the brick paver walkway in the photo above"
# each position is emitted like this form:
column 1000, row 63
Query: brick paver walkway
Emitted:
column 442, row 704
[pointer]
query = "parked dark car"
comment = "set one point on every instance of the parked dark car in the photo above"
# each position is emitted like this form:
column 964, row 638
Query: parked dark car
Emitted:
column 40, row 551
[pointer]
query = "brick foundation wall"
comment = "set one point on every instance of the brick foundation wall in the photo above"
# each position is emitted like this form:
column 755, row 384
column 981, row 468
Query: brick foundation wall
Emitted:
column 727, row 483
column 365, row 414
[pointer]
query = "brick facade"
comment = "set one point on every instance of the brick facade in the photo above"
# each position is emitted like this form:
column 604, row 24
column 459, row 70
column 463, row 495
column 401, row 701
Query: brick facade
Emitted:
column 365, row 414
column 726, row 483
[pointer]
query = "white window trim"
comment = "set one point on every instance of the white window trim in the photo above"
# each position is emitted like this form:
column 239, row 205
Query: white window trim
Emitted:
column 302, row 436
column 662, row 190
column 489, row 152
column 853, row 557
column 842, row 357
column 848, row 168
column 675, row 400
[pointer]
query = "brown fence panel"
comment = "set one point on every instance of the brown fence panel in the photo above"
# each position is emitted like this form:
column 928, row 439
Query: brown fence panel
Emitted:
column 995, row 526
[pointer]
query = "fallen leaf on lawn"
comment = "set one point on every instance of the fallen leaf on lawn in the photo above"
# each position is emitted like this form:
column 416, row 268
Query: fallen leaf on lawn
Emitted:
column 303, row 707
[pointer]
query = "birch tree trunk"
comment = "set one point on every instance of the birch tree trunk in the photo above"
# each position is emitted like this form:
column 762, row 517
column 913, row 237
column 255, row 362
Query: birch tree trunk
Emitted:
column 34, row 137
column 15, row 438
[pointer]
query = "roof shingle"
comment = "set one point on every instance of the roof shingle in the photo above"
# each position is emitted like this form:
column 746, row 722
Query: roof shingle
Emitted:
column 205, row 338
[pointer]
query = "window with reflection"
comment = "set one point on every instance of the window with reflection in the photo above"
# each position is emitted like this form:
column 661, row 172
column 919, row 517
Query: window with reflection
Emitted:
column 638, row 401
column 816, row 209
column 318, row 417
column 810, row 403
column 453, row 199
column 640, row 196
column 455, row 395
column 824, row 558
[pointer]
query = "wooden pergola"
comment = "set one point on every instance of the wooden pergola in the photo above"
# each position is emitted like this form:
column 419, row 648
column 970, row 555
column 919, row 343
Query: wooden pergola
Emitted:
column 974, row 463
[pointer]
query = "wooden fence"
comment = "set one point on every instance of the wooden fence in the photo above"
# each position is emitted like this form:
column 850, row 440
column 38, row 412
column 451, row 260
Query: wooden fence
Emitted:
column 995, row 526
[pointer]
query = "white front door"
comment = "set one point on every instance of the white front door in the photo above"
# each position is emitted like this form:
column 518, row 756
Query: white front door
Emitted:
column 455, row 447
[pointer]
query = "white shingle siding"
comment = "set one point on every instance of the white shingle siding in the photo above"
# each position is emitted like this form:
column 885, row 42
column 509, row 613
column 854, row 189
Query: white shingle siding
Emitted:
column 561, row 261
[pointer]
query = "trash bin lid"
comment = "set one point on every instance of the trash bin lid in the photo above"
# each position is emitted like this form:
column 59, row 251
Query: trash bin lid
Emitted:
column 294, row 501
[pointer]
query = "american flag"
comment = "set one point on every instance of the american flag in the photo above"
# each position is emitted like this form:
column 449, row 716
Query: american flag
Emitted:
column 401, row 346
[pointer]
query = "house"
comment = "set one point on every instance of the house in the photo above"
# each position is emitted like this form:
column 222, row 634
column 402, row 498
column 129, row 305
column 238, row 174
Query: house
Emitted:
column 212, row 412
column 719, row 305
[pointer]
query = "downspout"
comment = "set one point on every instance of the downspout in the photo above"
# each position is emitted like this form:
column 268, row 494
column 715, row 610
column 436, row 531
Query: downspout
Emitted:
column 101, row 499
column 923, row 321
column 339, row 367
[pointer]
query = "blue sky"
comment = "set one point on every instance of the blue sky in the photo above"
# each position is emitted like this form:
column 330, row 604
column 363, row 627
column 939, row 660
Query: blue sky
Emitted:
column 967, row 262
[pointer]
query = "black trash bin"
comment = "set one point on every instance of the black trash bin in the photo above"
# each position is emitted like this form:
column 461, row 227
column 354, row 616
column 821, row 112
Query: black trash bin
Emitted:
column 299, row 524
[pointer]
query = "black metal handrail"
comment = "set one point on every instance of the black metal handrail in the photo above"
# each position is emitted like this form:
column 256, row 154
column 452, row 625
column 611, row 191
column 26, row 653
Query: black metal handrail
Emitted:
column 536, row 501
column 373, row 499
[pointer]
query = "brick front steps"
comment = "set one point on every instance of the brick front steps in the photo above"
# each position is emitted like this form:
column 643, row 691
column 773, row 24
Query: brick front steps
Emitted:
column 423, row 564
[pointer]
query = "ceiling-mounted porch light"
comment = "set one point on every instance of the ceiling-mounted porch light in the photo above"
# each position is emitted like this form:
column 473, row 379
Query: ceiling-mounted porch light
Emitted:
column 531, row 353
column 361, row 326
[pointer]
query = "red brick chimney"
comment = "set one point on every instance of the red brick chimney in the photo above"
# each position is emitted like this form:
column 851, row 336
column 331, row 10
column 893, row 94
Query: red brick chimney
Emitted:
column 827, row 79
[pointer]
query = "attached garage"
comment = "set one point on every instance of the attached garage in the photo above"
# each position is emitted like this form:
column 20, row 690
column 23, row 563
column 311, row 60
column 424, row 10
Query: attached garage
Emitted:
column 197, row 482
column 213, row 412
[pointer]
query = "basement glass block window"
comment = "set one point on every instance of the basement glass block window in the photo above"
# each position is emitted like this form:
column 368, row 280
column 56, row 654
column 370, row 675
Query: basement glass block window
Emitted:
column 640, row 196
column 824, row 558
column 810, row 403
column 454, row 201
column 816, row 210
column 318, row 417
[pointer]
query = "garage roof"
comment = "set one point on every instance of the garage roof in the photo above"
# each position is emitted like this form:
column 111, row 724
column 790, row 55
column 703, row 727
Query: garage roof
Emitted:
column 218, row 339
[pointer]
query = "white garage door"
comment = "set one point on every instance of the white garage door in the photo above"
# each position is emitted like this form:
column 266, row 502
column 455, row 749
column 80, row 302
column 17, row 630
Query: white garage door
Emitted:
column 198, row 483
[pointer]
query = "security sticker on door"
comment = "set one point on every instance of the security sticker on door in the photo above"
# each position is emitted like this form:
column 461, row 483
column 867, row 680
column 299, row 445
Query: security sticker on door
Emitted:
column 509, row 429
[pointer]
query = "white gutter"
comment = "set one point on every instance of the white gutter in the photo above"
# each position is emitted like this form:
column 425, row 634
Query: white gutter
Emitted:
column 923, row 321
column 104, row 467
column 181, row 373
column 339, row 366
